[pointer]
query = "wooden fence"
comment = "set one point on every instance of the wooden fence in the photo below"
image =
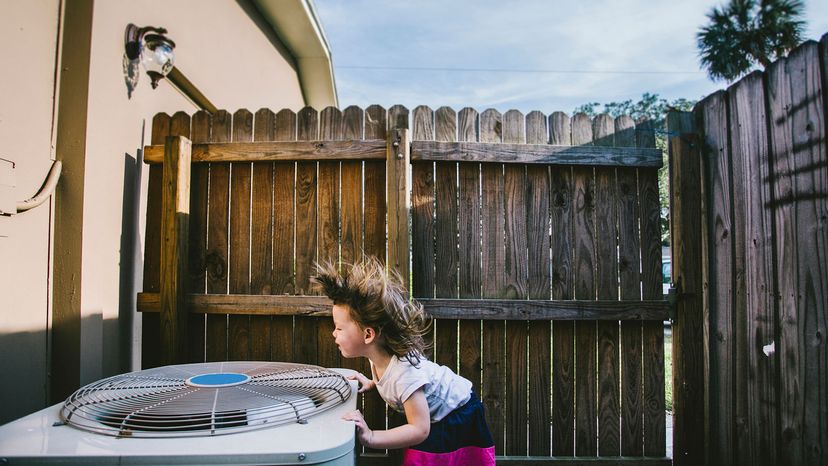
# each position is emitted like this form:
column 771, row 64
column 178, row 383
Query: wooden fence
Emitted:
column 760, row 169
column 535, row 243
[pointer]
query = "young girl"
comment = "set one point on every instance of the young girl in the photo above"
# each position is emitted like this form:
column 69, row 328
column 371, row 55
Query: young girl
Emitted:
column 373, row 319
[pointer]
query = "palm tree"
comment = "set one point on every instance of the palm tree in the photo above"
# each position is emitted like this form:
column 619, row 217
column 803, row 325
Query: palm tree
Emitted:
column 745, row 32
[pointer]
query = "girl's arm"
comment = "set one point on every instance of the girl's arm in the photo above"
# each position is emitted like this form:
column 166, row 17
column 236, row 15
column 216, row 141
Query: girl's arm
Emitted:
column 411, row 433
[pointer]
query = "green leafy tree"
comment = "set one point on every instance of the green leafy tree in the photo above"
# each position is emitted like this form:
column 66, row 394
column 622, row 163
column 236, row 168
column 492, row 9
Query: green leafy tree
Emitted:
column 745, row 32
column 651, row 107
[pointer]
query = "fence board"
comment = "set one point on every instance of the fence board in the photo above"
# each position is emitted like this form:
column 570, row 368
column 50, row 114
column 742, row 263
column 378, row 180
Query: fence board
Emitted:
column 374, row 241
column 751, row 170
column 307, row 128
column 261, row 234
column 285, row 191
column 217, row 238
column 712, row 112
column 539, row 287
column 331, row 128
column 651, row 278
column 563, row 332
column 629, row 263
column 606, row 248
column 492, row 210
column 584, row 275
column 238, row 327
column 422, row 200
column 151, row 324
column 797, row 122
column 199, row 176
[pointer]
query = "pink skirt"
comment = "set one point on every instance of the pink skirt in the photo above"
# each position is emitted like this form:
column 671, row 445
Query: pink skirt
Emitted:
column 461, row 438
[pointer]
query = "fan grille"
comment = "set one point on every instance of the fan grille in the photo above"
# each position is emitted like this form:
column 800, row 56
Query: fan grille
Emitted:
column 162, row 402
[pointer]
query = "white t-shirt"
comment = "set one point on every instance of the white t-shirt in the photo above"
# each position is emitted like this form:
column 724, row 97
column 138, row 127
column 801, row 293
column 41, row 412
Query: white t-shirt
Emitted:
column 444, row 390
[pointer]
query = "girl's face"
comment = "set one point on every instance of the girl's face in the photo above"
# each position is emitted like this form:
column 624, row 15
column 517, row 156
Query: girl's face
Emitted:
column 349, row 337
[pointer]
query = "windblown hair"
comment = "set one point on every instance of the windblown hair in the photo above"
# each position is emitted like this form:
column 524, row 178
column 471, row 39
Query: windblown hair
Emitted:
column 378, row 300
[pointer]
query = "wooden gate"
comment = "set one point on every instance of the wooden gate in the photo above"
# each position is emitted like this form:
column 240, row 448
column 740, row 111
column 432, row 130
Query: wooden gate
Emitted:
column 535, row 243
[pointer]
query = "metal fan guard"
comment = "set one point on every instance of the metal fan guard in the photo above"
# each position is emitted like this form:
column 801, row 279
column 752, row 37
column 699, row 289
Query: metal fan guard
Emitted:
column 160, row 403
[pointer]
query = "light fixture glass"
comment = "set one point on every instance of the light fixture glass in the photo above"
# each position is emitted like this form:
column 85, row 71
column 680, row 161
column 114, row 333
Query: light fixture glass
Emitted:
column 149, row 46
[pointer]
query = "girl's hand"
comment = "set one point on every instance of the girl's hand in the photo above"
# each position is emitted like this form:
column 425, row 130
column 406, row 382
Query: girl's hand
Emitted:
column 365, row 383
column 364, row 434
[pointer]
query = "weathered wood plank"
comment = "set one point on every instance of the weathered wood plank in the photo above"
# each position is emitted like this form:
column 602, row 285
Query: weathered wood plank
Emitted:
column 752, row 191
column 712, row 113
column 374, row 241
column 688, row 353
column 151, row 334
column 474, row 309
column 539, row 269
column 239, row 304
column 307, row 150
column 422, row 205
column 800, row 174
column 536, row 153
column 651, row 278
column 563, row 332
column 175, row 224
column 607, row 332
column 629, row 260
column 217, row 239
column 261, row 234
column 238, row 327
column 285, row 190
column 445, row 239
column 492, row 210
column 307, row 237
column 398, row 191
column 470, row 284
column 584, row 276
column 199, row 176
column 516, row 258
column 329, row 223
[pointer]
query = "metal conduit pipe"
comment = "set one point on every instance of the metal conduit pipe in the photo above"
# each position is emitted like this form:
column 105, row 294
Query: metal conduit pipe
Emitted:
column 46, row 190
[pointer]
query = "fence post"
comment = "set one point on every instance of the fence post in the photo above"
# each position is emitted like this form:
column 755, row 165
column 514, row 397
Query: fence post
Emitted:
column 175, row 224
column 689, row 383
column 398, row 158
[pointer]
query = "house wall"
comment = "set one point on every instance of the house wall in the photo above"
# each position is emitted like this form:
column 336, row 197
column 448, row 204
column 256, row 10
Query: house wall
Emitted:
column 96, row 228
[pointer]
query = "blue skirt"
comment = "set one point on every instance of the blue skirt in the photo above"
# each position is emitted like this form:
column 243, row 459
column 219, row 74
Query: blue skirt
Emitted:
column 460, row 438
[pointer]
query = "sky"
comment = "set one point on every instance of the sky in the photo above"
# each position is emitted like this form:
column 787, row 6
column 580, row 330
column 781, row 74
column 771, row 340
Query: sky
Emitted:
column 545, row 55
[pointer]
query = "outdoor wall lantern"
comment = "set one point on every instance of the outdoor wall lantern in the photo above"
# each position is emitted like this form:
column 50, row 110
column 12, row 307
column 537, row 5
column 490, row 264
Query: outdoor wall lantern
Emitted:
column 149, row 46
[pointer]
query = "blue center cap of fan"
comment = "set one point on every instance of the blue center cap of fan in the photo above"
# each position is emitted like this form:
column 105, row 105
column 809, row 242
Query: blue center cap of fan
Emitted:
column 222, row 379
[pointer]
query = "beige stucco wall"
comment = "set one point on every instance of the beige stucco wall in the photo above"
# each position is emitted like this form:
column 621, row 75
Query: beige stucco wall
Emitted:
column 221, row 51
column 26, row 94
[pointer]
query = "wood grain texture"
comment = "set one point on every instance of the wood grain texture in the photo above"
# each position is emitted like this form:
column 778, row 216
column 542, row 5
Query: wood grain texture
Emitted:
column 238, row 327
column 563, row 332
column 175, row 223
column 800, row 201
column 284, row 239
column 470, row 273
column 688, row 363
column 516, row 259
column 539, row 283
column 217, row 238
column 239, row 151
column 651, row 278
column 629, row 278
column 197, row 268
column 535, row 154
column 584, row 276
column 712, row 113
column 758, row 441
column 261, row 235
column 307, row 237
column 150, row 324
column 422, row 209
column 493, row 216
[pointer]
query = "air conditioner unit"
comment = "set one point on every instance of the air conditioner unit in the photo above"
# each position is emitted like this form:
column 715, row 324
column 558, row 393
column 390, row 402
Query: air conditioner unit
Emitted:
column 239, row 413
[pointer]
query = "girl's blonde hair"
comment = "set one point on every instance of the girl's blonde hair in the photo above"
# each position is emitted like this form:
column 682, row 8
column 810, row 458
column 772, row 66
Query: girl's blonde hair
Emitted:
column 378, row 300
